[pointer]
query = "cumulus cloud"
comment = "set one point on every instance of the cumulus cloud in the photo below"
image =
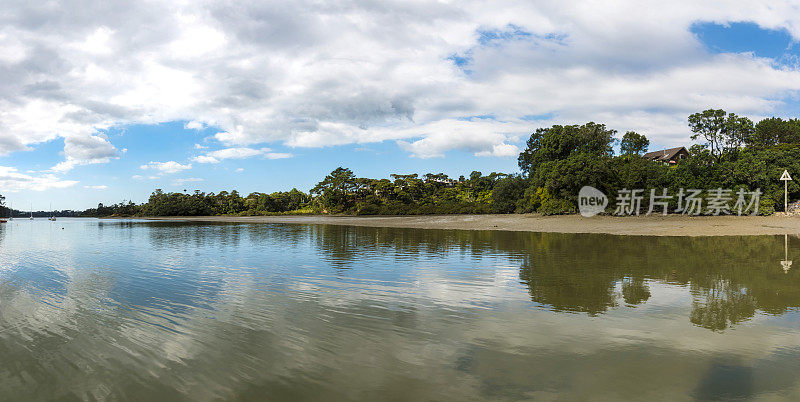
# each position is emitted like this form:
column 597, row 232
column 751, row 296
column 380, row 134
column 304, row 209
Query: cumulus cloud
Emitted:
column 311, row 75
column 166, row 167
column 98, row 187
column 85, row 150
column 12, row 180
column 239, row 153
column 482, row 137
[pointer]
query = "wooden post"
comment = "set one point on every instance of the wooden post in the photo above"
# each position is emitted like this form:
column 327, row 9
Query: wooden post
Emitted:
column 785, row 178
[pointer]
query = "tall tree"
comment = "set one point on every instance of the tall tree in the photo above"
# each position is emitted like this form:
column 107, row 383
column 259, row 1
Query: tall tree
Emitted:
column 709, row 124
column 737, row 131
column 722, row 131
column 336, row 189
column 633, row 143
column 559, row 142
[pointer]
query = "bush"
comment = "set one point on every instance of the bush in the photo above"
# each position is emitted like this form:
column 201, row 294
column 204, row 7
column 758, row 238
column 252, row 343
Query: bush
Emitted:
column 766, row 207
column 557, row 206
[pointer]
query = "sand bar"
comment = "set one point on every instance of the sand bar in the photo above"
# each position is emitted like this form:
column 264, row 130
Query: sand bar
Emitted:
column 673, row 225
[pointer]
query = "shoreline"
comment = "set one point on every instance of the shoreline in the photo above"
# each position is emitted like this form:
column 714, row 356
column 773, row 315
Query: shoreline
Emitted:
column 654, row 225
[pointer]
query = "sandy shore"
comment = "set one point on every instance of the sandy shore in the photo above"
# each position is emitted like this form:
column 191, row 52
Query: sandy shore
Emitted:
column 641, row 226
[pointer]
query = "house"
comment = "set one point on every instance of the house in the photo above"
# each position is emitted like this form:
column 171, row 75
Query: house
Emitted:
column 668, row 156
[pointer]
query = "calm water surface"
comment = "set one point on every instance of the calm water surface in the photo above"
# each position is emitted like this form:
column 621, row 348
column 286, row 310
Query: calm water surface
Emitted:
column 186, row 311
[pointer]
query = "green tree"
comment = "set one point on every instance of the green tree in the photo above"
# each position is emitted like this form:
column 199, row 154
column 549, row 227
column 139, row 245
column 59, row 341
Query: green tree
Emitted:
column 559, row 142
column 507, row 193
column 335, row 192
column 722, row 131
column 633, row 143
column 773, row 131
column 561, row 160
column 709, row 124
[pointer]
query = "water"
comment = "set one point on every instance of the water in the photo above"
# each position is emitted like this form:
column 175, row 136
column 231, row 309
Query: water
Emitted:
column 105, row 309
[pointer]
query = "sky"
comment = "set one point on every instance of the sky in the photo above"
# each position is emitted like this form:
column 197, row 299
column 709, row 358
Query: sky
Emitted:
column 102, row 101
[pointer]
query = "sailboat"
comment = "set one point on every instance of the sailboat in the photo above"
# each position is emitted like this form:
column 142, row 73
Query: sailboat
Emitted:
column 52, row 215
column 31, row 211
column 11, row 213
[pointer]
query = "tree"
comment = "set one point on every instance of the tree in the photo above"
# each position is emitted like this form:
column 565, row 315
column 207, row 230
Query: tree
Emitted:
column 709, row 124
column 507, row 193
column 723, row 132
column 633, row 143
column 336, row 189
column 773, row 131
column 559, row 142
column 737, row 132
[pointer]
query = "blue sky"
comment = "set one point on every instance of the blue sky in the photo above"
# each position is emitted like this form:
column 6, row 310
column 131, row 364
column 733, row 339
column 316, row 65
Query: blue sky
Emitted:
column 256, row 97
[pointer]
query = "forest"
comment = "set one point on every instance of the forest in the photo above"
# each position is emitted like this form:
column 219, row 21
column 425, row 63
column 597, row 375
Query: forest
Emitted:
column 730, row 152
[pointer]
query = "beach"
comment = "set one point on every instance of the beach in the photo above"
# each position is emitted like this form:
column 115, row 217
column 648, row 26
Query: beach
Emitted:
column 653, row 225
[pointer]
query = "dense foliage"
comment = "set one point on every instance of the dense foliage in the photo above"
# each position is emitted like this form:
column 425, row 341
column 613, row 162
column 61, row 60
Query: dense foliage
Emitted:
column 562, row 159
column 199, row 203
column 343, row 192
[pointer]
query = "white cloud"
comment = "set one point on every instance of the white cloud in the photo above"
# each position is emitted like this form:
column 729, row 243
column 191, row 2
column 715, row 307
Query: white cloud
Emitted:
column 85, row 150
column 277, row 155
column 239, row 153
column 140, row 177
column 12, row 180
column 193, row 125
column 187, row 180
column 482, row 137
column 307, row 75
column 166, row 167
column 99, row 187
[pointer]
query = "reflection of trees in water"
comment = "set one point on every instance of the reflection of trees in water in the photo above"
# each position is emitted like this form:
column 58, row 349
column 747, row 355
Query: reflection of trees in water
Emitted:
column 722, row 306
column 279, row 234
column 347, row 245
column 730, row 277
column 170, row 235
column 635, row 291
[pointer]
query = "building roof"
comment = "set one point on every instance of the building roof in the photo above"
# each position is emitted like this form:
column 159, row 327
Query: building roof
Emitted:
column 664, row 154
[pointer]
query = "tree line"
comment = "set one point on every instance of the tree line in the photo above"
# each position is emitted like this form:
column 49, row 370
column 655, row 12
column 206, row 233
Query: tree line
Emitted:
column 730, row 152
column 199, row 203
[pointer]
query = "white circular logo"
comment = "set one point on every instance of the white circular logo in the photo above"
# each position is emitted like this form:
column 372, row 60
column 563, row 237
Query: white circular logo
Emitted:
column 591, row 201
